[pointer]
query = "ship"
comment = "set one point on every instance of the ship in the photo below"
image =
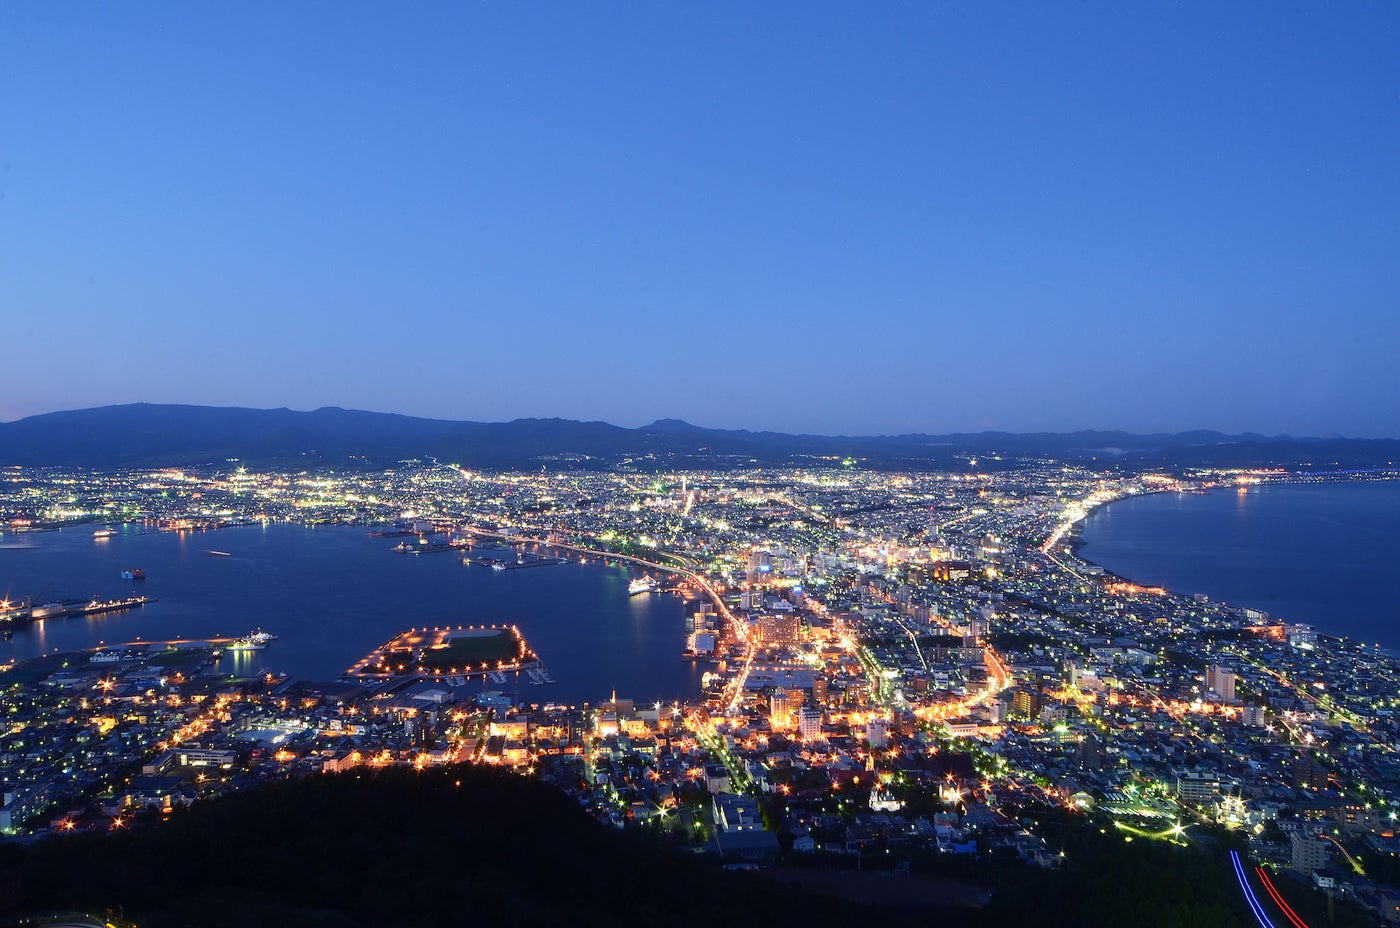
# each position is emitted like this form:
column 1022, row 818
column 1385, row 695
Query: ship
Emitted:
column 48, row 609
column 255, row 640
column 643, row 585
column 133, row 573
column 104, row 533
column 218, row 554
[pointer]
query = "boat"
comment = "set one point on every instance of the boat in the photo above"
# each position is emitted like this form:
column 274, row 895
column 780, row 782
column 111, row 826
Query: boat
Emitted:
column 255, row 640
column 497, row 565
column 133, row 573
column 104, row 533
column 643, row 585
column 47, row 609
column 218, row 554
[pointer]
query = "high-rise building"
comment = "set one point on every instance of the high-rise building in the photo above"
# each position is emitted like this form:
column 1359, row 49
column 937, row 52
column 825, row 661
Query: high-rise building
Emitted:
column 809, row 723
column 1220, row 683
column 1309, row 853
column 1198, row 787
column 1308, row 773
column 877, row 732
column 780, row 709
column 1091, row 753
column 780, row 629
column 1025, row 702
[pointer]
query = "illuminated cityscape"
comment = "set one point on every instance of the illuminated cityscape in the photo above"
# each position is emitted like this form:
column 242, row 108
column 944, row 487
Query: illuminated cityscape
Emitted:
column 772, row 464
column 896, row 665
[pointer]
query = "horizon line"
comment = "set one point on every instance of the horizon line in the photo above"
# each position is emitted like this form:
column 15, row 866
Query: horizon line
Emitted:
column 1245, row 435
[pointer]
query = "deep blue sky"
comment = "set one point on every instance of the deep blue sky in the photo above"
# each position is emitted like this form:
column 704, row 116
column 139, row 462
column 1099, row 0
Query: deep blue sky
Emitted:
column 809, row 217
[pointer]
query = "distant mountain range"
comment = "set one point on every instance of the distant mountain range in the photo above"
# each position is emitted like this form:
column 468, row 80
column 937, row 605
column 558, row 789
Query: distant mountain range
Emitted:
column 144, row 434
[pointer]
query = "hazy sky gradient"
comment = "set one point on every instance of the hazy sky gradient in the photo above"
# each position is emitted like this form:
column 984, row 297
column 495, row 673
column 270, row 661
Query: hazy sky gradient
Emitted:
column 845, row 217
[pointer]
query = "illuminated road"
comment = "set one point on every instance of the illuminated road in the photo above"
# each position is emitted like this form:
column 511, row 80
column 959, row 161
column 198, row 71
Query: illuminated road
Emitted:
column 998, row 679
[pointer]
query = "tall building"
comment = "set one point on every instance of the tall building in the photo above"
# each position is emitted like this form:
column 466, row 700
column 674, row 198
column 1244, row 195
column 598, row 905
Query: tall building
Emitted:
column 1025, row 702
column 783, row 706
column 1220, row 682
column 877, row 733
column 809, row 724
column 781, row 629
column 1309, row 854
column 1308, row 773
column 1091, row 752
column 1197, row 787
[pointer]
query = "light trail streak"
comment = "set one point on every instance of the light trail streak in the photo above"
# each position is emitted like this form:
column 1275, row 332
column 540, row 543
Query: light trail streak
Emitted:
column 1275, row 895
column 1254, row 904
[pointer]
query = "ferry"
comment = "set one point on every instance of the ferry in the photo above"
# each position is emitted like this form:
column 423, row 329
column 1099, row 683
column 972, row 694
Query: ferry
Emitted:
column 104, row 533
column 644, row 585
column 255, row 640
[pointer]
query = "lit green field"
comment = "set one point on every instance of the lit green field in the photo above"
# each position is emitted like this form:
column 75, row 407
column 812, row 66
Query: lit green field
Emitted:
column 474, row 651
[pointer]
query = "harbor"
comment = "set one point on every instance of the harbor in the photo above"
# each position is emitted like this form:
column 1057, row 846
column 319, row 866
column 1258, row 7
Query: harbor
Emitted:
column 521, row 561
column 18, row 615
column 333, row 593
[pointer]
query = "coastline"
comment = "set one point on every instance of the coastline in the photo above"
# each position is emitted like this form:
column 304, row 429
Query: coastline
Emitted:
column 1076, row 542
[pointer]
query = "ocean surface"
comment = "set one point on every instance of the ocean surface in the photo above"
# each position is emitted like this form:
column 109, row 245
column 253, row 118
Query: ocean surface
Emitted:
column 332, row 594
column 1324, row 554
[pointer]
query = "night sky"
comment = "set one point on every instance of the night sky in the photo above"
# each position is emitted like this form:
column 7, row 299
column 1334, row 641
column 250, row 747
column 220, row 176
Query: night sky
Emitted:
column 853, row 218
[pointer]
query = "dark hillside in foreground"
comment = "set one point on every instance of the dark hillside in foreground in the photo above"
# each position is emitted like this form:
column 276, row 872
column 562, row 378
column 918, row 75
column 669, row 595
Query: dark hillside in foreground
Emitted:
column 479, row 845
column 146, row 435
column 394, row 847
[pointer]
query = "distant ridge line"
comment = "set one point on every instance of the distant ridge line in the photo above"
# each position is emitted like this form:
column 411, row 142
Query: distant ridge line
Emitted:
column 149, row 434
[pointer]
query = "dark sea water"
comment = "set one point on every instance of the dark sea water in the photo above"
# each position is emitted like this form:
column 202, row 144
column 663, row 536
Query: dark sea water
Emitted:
column 1325, row 554
column 332, row 594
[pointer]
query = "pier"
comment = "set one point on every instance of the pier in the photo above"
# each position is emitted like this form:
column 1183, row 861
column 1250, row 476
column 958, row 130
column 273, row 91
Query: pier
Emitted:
column 19, row 616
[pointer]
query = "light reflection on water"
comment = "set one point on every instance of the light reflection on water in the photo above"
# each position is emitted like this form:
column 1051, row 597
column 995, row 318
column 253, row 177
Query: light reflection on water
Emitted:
column 332, row 594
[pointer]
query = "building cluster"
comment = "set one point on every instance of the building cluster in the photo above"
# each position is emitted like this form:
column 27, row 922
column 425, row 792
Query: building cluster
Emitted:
column 900, row 663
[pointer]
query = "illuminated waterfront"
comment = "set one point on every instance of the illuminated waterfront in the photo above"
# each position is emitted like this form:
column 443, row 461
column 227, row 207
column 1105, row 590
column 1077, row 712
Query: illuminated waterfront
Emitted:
column 332, row 594
column 1322, row 554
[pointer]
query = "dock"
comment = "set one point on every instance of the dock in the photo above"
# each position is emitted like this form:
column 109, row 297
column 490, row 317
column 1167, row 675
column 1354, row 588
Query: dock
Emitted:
column 20, row 616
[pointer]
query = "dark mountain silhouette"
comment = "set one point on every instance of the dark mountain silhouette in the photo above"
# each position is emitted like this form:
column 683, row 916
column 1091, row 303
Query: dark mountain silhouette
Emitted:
column 148, row 434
